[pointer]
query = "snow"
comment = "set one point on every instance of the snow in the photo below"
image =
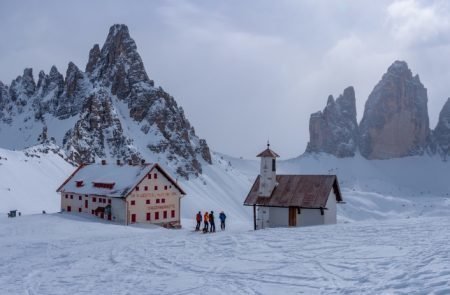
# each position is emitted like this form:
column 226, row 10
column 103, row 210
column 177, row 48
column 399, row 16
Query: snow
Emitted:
column 65, row 254
column 124, row 177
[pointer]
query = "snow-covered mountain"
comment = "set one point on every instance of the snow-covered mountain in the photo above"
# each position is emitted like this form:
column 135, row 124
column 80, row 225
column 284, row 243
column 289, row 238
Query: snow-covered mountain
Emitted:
column 112, row 111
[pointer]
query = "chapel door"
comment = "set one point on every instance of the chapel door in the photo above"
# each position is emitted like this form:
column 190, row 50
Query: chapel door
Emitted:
column 292, row 216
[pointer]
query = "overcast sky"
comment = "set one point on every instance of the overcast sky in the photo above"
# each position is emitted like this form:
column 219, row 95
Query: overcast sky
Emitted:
column 244, row 71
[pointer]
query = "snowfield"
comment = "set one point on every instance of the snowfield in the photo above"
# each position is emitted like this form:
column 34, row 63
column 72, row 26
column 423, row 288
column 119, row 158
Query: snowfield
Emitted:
column 65, row 254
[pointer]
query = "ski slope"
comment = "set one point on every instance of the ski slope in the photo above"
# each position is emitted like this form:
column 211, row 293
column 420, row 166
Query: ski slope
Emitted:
column 65, row 254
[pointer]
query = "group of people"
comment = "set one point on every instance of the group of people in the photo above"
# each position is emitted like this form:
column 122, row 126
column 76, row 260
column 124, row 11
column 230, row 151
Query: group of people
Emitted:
column 209, row 224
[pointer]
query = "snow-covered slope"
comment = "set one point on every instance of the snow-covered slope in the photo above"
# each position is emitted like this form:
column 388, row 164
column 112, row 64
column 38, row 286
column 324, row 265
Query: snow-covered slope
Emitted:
column 397, row 188
column 63, row 254
column 29, row 179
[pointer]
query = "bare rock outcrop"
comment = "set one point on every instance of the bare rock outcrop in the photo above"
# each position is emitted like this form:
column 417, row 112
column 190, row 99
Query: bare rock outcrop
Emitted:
column 335, row 129
column 441, row 134
column 395, row 121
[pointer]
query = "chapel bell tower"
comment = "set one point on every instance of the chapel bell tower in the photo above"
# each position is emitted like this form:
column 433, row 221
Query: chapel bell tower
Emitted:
column 268, row 172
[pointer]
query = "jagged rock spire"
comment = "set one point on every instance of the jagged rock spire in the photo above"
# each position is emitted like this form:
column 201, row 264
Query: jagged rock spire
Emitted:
column 395, row 121
column 335, row 129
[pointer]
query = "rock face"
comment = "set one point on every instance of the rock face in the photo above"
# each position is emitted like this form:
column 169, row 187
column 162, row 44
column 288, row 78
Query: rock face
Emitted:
column 395, row 121
column 441, row 134
column 335, row 129
column 111, row 111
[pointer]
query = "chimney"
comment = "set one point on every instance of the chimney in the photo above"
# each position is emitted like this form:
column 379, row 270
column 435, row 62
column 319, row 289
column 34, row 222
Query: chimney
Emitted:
column 142, row 162
column 103, row 162
column 118, row 162
column 130, row 162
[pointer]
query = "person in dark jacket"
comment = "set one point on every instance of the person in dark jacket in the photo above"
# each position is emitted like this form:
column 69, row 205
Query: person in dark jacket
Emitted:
column 222, row 218
column 198, row 218
column 212, row 224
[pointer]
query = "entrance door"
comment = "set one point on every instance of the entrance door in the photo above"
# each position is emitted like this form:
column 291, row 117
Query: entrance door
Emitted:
column 292, row 216
column 69, row 209
column 86, row 204
column 133, row 218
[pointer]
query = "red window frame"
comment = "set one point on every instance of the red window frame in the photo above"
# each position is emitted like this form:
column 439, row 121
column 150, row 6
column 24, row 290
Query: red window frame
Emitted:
column 147, row 201
column 163, row 200
column 172, row 213
column 132, row 203
column 155, row 176
column 148, row 216
column 156, row 215
column 145, row 188
column 164, row 214
column 149, row 176
column 165, row 187
column 157, row 201
column 156, row 187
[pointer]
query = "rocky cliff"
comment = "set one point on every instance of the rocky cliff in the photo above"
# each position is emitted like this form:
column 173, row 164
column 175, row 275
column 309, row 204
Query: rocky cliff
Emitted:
column 395, row 121
column 112, row 110
column 335, row 129
column 441, row 134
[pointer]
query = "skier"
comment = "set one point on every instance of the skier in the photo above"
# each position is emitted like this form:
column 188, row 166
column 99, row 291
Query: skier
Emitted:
column 222, row 218
column 211, row 222
column 205, row 221
column 198, row 218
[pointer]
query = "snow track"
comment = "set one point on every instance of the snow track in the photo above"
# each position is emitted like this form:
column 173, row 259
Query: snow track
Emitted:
column 64, row 254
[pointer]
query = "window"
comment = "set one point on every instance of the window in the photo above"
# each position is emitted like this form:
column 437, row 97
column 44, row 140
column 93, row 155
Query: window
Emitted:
column 149, row 176
column 157, row 201
column 165, row 187
column 104, row 185
column 163, row 201
column 71, row 197
column 155, row 176
column 93, row 212
column 109, row 201
column 273, row 165
column 79, row 209
column 145, row 188
column 156, row 187
column 94, row 199
column 133, row 203
column 156, row 215
column 148, row 216
column 172, row 213
column 165, row 214
column 104, row 201
column 137, row 188
column 147, row 202
column 67, row 196
column 86, row 204
column 79, row 198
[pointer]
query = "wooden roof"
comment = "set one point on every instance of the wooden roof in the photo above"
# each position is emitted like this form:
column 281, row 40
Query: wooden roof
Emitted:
column 304, row 191
column 268, row 153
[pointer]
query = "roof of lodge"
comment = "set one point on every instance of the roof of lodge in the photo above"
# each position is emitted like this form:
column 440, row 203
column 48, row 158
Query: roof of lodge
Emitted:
column 303, row 191
column 120, row 180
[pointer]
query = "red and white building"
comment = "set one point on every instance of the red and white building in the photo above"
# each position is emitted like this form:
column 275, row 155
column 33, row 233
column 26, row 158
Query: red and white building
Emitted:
column 124, row 194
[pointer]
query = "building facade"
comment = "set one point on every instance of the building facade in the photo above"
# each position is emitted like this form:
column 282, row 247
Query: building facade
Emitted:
column 292, row 200
column 124, row 194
